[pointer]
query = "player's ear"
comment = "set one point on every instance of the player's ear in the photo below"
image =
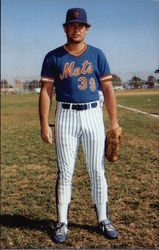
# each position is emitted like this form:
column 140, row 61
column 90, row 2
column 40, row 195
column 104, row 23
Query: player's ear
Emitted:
column 87, row 28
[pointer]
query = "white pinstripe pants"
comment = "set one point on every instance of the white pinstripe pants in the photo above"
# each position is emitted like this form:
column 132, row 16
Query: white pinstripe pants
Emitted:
column 73, row 127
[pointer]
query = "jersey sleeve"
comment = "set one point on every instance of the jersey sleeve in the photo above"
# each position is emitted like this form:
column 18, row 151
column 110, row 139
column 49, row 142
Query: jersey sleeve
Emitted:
column 103, row 67
column 48, row 69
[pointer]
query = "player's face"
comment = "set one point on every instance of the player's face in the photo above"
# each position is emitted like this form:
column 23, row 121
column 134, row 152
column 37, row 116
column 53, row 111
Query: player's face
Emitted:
column 76, row 32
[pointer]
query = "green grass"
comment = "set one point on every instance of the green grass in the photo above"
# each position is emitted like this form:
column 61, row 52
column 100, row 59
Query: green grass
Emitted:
column 21, row 141
column 29, row 169
column 147, row 103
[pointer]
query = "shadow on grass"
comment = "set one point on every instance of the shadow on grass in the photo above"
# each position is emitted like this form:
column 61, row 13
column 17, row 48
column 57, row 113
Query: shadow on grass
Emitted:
column 47, row 226
column 21, row 221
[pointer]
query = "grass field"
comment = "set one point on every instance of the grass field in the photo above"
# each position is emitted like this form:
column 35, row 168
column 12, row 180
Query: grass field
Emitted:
column 28, row 176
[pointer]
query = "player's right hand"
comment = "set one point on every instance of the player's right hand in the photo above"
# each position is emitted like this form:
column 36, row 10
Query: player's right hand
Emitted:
column 46, row 134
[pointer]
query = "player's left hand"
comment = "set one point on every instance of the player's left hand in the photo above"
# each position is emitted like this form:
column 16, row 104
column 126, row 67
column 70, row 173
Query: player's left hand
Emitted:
column 113, row 142
column 113, row 126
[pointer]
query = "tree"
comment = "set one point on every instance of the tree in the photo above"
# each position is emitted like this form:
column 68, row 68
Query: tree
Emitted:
column 150, row 81
column 116, row 81
column 26, row 85
column 156, row 71
column 4, row 84
column 136, row 82
column 34, row 84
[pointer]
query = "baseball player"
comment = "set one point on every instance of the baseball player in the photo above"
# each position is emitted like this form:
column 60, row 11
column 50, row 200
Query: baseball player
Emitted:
column 78, row 71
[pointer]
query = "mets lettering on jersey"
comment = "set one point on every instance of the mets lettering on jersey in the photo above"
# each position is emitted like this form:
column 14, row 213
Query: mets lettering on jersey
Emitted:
column 69, row 69
column 77, row 78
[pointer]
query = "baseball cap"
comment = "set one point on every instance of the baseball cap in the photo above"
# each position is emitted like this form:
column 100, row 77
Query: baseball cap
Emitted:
column 76, row 15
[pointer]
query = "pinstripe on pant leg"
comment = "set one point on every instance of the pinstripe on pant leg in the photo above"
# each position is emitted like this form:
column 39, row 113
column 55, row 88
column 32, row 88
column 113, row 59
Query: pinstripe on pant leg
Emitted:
column 93, row 140
column 67, row 141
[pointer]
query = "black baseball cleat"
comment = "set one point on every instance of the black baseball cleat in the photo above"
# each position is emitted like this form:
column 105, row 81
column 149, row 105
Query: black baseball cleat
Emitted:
column 60, row 232
column 107, row 229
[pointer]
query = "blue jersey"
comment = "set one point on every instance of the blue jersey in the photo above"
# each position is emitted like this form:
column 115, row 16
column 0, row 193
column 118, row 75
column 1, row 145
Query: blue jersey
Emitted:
column 77, row 78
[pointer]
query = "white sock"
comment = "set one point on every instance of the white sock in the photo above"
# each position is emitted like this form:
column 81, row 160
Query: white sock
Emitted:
column 62, row 213
column 101, row 212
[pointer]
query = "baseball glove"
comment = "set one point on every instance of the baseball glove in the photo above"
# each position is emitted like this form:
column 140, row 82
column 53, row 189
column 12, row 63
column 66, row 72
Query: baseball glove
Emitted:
column 113, row 142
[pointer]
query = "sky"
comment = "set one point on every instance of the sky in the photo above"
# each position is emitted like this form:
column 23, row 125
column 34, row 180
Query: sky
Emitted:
column 126, row 30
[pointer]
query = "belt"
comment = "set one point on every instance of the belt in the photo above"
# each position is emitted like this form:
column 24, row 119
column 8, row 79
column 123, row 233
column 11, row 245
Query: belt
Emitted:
column 79, row 107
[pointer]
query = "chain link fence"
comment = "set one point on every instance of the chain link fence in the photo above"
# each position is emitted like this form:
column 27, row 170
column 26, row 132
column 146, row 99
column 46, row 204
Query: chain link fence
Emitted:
column 32, row 85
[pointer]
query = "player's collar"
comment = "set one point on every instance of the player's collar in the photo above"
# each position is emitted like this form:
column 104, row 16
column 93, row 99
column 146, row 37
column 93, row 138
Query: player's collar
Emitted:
column 76, row 54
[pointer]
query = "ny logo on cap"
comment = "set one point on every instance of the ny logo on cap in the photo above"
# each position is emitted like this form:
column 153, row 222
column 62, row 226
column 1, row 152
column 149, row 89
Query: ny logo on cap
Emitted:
column 76, row 14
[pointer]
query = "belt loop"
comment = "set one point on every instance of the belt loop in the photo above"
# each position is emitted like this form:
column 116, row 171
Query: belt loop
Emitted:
column 70, row 106
column 59, row 104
